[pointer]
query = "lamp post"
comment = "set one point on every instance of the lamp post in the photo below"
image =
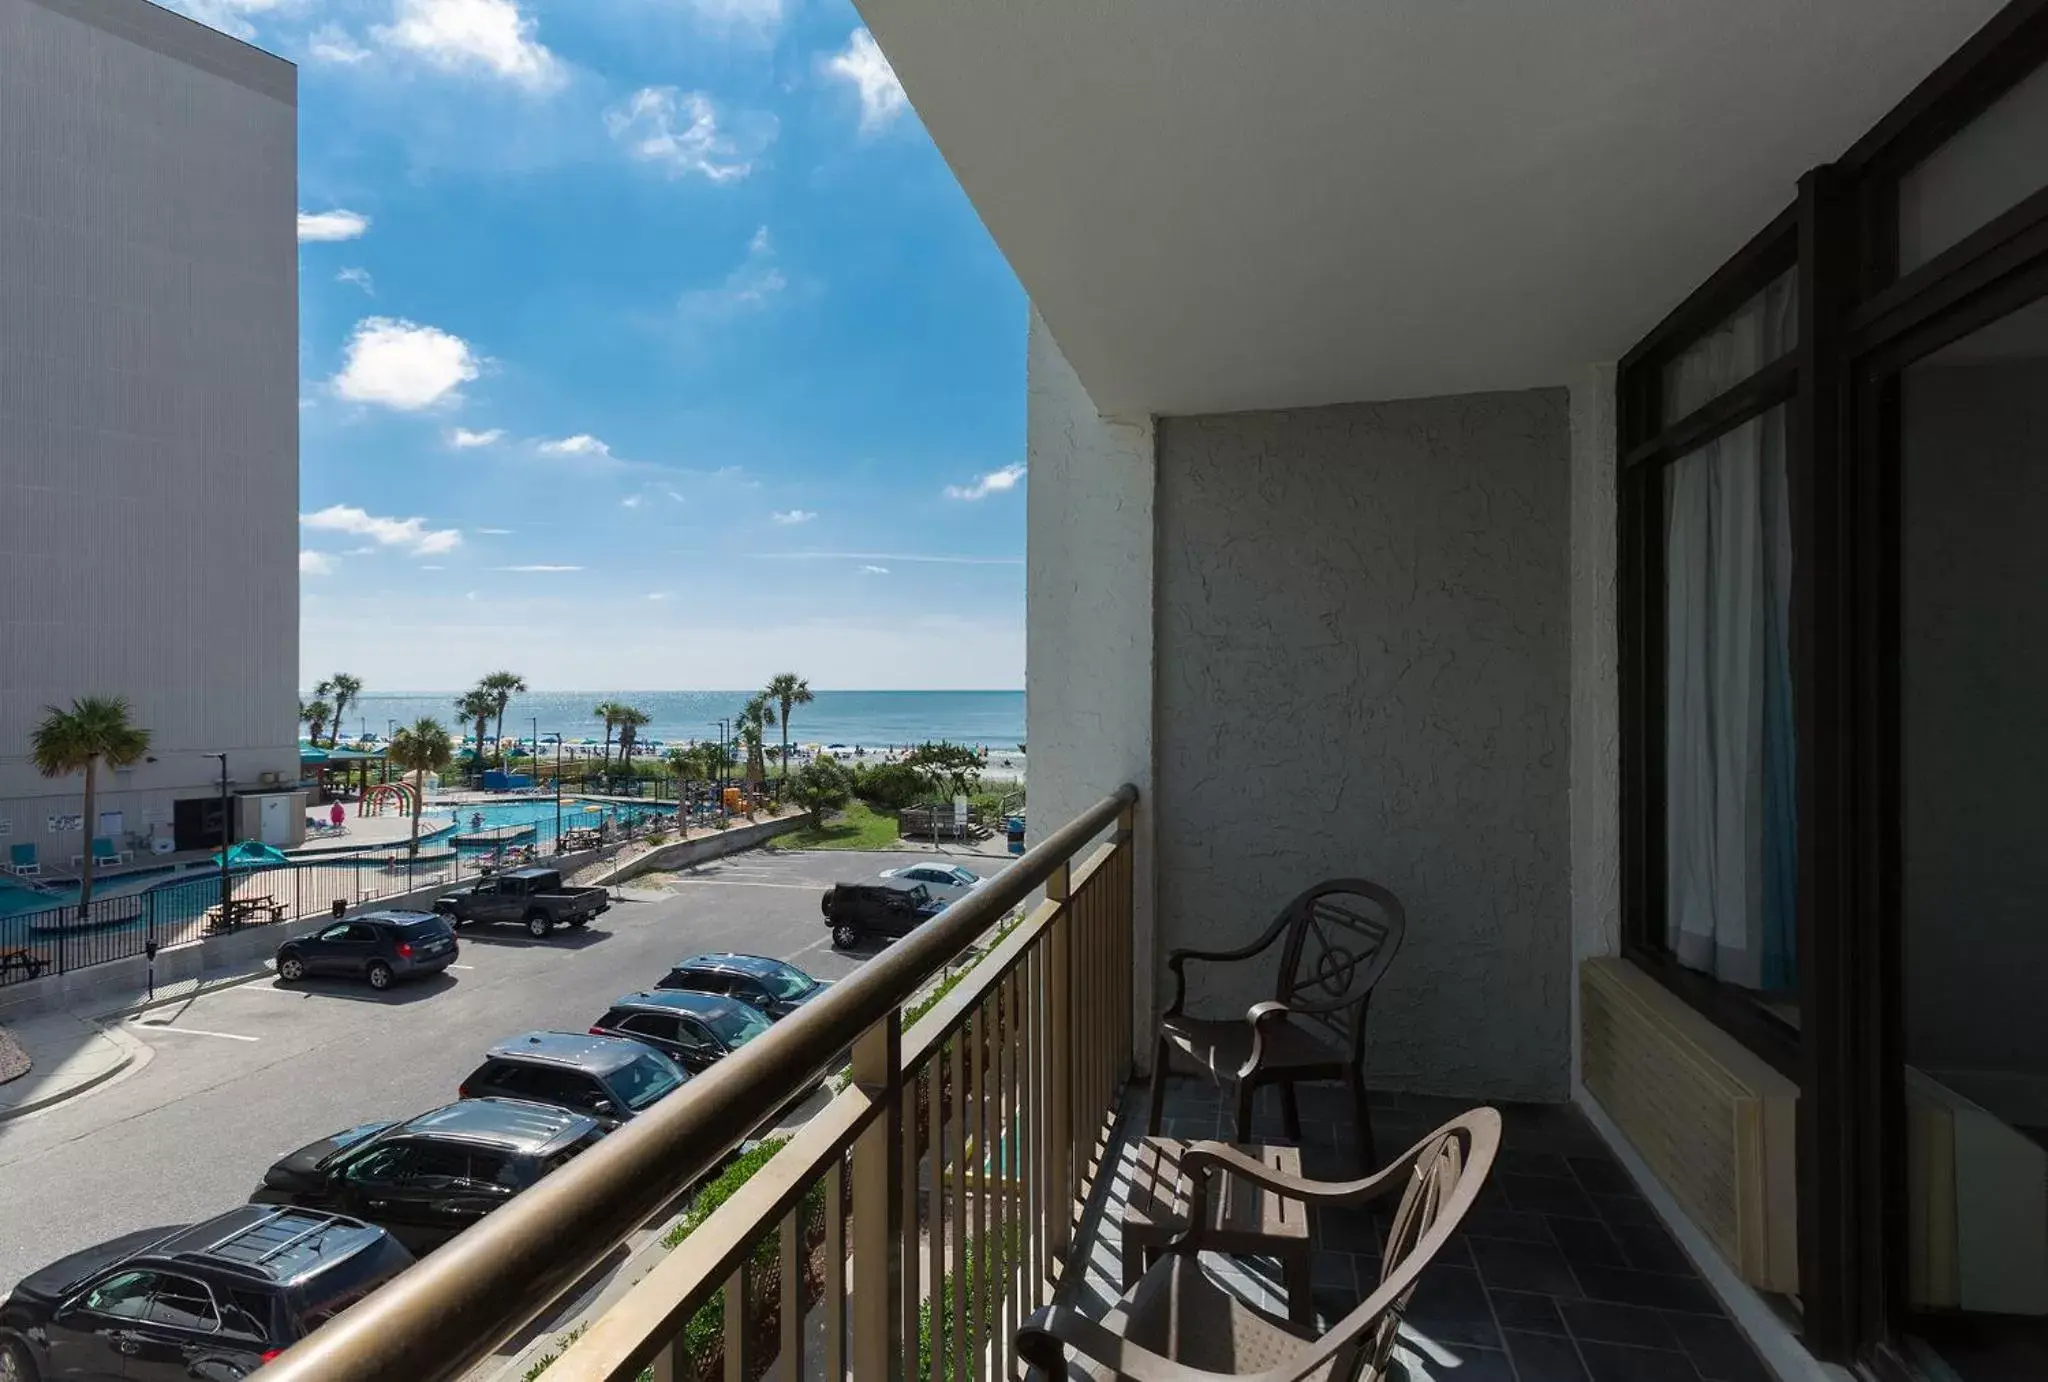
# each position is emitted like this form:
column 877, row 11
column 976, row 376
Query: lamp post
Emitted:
column 724, row 761
column 558, row 783
column 227, row 841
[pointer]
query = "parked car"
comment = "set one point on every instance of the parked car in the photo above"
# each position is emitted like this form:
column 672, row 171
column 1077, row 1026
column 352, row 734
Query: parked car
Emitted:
column 431, row 1177
column 948, row 881
column 536, row 898
column 380, row 947
column 692, row 1029
column 892, row 907
column 607, row 1078
column 776, row 988
column 213, row 1300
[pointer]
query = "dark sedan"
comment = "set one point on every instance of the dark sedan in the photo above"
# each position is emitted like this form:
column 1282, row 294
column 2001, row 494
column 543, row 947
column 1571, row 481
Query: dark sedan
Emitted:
column 776, row 988
column 693, row 1029
column 379, row 947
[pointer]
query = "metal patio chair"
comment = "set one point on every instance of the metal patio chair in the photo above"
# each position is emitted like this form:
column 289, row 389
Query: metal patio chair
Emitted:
column 1339, row 937
column 1179, row 1324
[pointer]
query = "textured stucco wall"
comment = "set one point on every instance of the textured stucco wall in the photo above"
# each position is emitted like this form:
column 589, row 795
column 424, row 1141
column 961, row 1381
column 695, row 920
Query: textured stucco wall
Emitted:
column 1088, row 622
column 1364, row 668
column 1596, row 687
column 148, row 398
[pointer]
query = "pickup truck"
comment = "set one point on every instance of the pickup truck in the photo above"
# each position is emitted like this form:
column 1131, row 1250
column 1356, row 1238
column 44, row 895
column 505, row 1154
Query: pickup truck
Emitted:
column 533, row 897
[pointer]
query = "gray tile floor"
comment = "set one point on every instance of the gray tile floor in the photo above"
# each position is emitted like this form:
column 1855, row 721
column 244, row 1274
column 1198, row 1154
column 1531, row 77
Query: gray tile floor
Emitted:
column 1561, row 1273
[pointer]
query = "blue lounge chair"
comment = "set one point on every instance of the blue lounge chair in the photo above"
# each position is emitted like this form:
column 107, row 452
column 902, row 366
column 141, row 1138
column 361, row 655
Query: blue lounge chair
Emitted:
column 21, row 861
column 104, row 854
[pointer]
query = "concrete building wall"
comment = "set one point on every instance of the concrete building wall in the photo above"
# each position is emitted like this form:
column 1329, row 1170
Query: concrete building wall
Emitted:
column 148, row 398
column 1364, row 668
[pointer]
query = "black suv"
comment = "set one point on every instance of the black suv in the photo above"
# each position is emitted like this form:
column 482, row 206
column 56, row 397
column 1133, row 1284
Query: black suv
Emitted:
column 608, row 1078
column 693, row 1029
column 431, row 1177
column 377, row 946
column 777, row 989
column 885, row 908
column 214, row 1300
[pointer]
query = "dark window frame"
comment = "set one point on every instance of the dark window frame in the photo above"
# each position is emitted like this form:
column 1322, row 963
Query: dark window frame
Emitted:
column 1860, row 324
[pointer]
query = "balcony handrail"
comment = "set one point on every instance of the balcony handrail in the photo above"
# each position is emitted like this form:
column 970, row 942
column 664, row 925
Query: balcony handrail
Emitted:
column 450, row 1311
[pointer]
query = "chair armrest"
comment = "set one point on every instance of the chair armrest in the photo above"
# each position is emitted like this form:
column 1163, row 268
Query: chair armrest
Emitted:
column 1203, row 1159
column 1264, row 1017
column 1177, row 958
column 1043, row 1341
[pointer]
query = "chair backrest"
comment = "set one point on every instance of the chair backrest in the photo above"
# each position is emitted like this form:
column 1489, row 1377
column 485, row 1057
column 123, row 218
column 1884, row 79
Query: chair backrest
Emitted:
column 21, row 854
column 1342, row 934
column 102, row 846
column 1446, row 1171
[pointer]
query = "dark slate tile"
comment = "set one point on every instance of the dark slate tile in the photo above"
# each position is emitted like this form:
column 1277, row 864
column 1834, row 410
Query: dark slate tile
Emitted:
column 1497, row 1222
column 1549, row 1128
column 1654, row 1289
column 1620, row 1363
column 1587, row 1243
column 1332, row 1304
column 1473, row 1365
column 1545, row 1195
column 1348, row 1227
column 1451, row 1293
column 1333, row 1269
column 1532, row 1163
column 1717, row 1348
column 1626, row 1211
column 1652, row 1250
column 1524, row 1267
column 1602, row 1175
column 1526, row 1312
column 1190, row 1127
column 1600, row 1322
column 1544, row 1357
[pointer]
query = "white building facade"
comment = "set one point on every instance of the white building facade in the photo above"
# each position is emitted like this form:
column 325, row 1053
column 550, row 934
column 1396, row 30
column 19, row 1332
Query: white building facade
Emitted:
column 148, row 418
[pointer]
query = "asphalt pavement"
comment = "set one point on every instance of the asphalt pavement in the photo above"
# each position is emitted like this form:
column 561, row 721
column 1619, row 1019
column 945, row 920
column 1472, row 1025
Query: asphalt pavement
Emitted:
column 240, row 1076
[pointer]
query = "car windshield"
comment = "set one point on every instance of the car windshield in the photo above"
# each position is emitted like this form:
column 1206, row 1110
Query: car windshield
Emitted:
column 786, row 981
column 644, row 1081
column 738, row 1025
column 349, row 1137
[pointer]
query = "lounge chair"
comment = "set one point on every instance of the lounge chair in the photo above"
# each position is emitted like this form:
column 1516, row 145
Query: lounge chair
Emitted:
column 104, row 854
column 1180, row 1323
column 21, row 861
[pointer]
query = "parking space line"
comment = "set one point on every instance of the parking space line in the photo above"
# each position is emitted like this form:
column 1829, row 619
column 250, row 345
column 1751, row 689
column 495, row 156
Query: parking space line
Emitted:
column 462, row 966
column 741, row 883
column 193, row 1031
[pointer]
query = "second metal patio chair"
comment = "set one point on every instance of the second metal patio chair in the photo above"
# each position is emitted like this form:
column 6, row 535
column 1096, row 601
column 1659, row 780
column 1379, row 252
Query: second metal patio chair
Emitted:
column 1339, row 937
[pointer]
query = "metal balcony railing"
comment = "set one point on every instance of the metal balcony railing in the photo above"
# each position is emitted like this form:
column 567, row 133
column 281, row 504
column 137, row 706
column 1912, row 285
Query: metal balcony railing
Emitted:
column 904, row 1230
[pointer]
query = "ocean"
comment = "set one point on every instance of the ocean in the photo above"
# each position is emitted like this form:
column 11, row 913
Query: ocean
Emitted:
column 874, row 719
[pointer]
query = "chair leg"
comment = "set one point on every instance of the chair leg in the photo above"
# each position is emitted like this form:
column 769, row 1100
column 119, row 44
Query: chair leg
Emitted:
column 1290, row 1111
column 1242, row 1130
column 1368, row 1157
column 1158, row 1107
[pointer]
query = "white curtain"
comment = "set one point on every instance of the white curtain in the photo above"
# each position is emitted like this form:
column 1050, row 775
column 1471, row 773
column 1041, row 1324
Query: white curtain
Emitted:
column 1729, row 830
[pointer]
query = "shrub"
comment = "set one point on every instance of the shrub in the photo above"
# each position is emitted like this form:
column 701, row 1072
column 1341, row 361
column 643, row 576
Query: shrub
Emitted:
column 822, row 785
column 891, row 786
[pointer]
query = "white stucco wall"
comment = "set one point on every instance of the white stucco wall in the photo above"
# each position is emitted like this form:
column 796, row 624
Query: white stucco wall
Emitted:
column 1088, row 626
column 1364, row 668
column 1596, row 689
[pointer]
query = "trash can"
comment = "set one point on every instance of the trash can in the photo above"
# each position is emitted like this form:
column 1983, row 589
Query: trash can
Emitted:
column 1014, row 829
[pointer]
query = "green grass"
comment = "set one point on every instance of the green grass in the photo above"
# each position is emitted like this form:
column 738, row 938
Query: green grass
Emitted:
column 859, row 826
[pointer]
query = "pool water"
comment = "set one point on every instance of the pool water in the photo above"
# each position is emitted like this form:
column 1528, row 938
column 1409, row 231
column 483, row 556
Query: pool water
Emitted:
column 577, row 814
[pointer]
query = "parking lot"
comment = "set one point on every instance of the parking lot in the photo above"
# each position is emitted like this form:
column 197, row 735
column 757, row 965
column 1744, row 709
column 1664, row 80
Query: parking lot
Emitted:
column 239, row 1076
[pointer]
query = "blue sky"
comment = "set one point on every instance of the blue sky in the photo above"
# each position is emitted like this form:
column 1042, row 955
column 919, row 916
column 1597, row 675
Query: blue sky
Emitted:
column 643, row 343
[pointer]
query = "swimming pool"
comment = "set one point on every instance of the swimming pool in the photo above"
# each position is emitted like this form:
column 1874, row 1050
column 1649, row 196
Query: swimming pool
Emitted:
column 539, row 812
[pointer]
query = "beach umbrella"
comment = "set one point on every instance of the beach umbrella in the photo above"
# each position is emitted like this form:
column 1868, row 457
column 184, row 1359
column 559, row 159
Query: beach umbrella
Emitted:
column 251, row 854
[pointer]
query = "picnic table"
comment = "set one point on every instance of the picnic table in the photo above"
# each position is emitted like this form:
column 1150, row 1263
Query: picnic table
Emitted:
column 245, row 910
column 27, row 961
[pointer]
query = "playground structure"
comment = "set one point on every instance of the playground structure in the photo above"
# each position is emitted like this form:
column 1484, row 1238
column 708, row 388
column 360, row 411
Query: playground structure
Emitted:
column 399, row 794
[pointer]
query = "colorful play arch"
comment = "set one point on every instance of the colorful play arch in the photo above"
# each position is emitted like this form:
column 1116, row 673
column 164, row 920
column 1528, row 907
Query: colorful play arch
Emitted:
column 399, row 794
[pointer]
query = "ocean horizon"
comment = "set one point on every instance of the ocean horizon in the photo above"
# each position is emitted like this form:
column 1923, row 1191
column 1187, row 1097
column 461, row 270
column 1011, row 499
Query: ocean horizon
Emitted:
column 872, row 719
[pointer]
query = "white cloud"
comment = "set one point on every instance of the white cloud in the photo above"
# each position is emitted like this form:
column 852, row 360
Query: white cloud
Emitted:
column 631, row 501
column 995, row 482
column 331, row 225
column 862, row 64
column 874, row 571
column 401, row 365
column 790, row 517
column 229, row 16
column 360, row 278
column 315, row 564
column 680, row 131
column 412, row 533
column 748, row 287
column 462, row 439
column 495, row 532
column 758, row 19
column 582, row 446
column 458, row 35
column 675, row 496
column 432, row 566
column 540, row 567
column 935, row 558
column 360, row 552
column 331, row 43
column 657, row 594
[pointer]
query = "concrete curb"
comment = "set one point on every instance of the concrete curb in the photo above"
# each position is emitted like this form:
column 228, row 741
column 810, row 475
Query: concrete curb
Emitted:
column 132, row 1052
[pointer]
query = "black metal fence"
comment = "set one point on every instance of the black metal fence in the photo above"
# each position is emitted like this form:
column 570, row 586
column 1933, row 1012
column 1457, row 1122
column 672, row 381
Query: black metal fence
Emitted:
column 124, row 920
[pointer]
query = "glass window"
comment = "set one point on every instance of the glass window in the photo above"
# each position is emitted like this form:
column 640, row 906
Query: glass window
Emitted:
column 1729, row 826
column 786, row 981
column 183, row 1303
column 125, row 1296
column 1984, row 170
column 1755, row 334
column 335, row 933
column 654, row 1025
column 382, row 1165
column 644, row 1081
column 739, row 1026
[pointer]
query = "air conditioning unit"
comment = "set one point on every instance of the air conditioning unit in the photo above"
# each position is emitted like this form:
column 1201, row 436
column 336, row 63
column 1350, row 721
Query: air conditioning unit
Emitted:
column 271, row 779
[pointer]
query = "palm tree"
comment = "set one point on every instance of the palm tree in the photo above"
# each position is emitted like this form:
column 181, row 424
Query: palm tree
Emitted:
column 420, row 748
column 789, row 690
column 502, row 687
column 476, row 707
column 630, row 719
column 74, row 741
column 315, row 714
column 608, row 711
column 755, row 719
column 344, row 689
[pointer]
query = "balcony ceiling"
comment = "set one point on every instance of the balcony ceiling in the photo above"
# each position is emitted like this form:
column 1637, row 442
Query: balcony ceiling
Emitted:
column 1220, row 204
